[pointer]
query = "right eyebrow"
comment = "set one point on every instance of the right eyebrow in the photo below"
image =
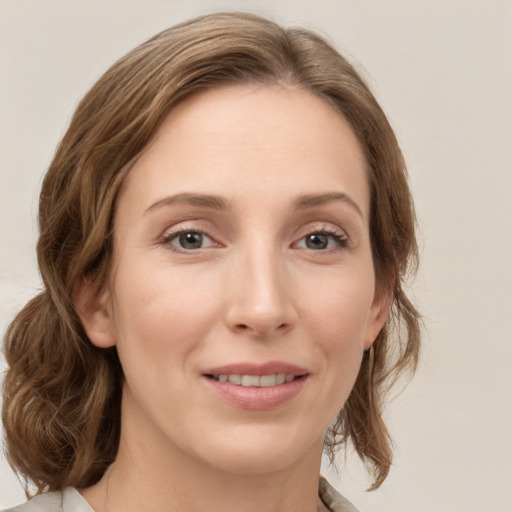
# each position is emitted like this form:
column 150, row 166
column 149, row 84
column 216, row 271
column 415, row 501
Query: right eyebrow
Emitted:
column 206, row 200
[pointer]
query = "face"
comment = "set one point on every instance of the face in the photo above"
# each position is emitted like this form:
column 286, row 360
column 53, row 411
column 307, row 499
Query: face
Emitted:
column 242, row 292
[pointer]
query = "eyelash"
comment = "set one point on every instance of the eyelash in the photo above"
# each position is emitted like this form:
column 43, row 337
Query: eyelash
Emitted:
column 169, row 237
column 340, row 239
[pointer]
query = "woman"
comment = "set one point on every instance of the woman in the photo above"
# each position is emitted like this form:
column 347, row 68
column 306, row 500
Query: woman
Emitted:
column 225, row 231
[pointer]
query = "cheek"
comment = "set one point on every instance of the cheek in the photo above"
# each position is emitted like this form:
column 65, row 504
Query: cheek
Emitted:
column 340, row 307
column 338, row 323
column 160, row 313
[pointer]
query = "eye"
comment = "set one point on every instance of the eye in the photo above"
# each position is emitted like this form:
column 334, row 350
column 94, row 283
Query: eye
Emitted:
column 322, row 240
column 189, row 240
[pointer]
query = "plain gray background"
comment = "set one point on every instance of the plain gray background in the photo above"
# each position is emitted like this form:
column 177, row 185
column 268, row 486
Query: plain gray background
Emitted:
column 442, row 70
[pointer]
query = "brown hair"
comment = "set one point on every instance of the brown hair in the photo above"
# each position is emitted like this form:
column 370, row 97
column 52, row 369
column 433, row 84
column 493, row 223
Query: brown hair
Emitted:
column 62, row 394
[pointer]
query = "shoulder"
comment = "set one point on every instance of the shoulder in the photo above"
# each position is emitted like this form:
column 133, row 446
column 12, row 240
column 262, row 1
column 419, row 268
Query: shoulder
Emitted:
column 333, row 500
column 68, row 500
column 51, row 502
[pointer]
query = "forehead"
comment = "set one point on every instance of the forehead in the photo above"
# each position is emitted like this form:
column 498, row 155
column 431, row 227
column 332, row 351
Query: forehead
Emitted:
column 239, row 138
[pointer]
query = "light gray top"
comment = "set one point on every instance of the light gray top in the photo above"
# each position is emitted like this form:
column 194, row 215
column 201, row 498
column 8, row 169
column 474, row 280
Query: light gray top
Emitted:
column 70, row 500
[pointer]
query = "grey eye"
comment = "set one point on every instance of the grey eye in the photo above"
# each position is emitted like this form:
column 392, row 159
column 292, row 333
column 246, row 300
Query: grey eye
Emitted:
column 191, row 240
column 322, row 240
column 317, row 241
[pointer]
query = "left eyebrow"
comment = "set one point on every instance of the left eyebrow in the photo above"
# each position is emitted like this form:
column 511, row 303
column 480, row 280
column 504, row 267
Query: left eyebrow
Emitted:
column 206, row 200
column 312, row 200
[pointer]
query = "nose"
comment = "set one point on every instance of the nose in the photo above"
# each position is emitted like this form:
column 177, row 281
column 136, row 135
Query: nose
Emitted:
column 261, row 296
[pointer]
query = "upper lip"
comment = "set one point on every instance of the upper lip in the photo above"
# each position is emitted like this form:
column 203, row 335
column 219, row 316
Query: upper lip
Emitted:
column 268, row 368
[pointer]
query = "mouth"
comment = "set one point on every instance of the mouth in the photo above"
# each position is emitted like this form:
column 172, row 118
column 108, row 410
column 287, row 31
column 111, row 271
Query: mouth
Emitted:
column 256, row 381
column 257, row 387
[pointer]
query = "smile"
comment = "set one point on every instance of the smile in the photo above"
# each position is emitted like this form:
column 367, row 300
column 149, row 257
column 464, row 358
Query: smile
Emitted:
column 256, row 387
column 257, row 381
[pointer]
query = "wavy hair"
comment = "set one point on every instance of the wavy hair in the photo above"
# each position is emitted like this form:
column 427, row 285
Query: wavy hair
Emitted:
column 62, row 395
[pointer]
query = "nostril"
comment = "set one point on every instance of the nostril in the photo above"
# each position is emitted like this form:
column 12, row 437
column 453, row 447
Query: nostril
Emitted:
column 261, row 330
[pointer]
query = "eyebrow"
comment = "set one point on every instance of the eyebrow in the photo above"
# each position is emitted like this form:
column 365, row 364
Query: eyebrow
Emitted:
column 312, row 200
column 205, row 200
column 218, row 203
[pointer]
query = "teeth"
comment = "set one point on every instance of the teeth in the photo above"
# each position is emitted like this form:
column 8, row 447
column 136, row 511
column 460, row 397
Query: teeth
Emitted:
column 250, row 380
column 268, row 380
column 263, row 381
column 235, row 379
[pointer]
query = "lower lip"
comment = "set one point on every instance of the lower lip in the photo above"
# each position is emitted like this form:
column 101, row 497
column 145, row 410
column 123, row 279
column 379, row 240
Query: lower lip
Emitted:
column 257, row 398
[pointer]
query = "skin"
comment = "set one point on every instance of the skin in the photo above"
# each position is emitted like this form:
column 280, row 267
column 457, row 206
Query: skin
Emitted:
column 256, row 290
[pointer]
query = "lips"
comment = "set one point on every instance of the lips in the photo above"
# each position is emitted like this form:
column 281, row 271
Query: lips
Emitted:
column 257, row 387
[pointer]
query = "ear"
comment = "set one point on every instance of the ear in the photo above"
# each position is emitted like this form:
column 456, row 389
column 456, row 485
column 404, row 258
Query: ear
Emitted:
column 378, row 315
column 94, row 309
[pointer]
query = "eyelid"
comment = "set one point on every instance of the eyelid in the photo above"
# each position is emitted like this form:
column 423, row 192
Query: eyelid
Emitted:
column 180, row 228
column 175, row 236
column 339, row 235
column 195, row 226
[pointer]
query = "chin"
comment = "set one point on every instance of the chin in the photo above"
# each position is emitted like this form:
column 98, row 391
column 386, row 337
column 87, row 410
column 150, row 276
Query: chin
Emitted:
column 256, row 454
